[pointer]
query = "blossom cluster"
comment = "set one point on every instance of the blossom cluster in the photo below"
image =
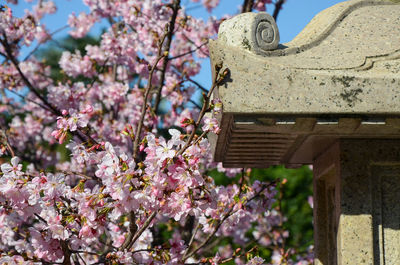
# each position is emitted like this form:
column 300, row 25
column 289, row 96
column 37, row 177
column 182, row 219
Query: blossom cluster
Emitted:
column 110, row 163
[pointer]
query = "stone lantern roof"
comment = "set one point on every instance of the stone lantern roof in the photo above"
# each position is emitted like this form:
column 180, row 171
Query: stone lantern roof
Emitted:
column 286, row 103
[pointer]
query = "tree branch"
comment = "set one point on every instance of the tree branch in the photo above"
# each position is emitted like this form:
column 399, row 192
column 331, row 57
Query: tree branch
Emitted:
column 66, row 251
column 15, row 62
column 247, row 6
column 278, row 7
column 198, row 85
column 210, row 236
column 3, row 136
column 189, row 52
column 131, row 231
column 142, row 229
column 171, row 27
column 144, row 106
column 217, row 81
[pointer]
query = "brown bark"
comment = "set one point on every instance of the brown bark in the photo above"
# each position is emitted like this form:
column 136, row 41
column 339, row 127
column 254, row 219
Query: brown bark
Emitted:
column 278, row 7
column 247, row 6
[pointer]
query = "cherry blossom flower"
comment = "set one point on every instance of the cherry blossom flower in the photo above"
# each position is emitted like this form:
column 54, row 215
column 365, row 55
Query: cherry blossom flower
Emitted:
column 211, row 124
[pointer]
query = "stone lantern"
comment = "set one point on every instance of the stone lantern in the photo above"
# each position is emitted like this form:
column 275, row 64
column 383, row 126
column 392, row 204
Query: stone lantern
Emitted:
column 330, row 98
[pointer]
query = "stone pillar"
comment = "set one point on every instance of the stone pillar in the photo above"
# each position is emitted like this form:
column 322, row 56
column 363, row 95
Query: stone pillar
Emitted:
column 357, row 202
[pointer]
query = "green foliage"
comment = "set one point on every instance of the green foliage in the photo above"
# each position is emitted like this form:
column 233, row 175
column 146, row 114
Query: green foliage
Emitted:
column 294, row 201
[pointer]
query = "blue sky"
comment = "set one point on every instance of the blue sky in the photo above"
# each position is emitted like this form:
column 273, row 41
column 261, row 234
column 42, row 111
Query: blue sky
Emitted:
column 292, row 19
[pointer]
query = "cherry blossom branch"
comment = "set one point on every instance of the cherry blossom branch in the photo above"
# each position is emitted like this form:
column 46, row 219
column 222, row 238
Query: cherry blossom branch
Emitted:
column 86, row 177
column 15, row 62
column 192, row 42
column 192, row 239
column 202, row 135
column 133, row 235
column 79, row 255
column 146, row 98
column 84, row 252
column 53, row 109
column 195, row 104
column 41, row 218
column 240, row 255
column 220, row 222
column 194, row 235
column 217, row 81
column 148, row 250
column 176, row 5
column 261, row 191
column 226, row 216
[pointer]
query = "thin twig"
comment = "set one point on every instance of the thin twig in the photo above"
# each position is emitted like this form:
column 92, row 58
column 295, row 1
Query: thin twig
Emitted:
column 210, row 236
column 84, row 262
column 133, row 235
column 41, row 218
column 28, row 99
column 258, row 193
column 217, row 81
column 226, row 216
column 189, row 52
column 4, row 137
column 198, row 85
column 84, row 252
column 39, row 44
column 195, row 104
column 192, row 238
column 202, row 135
column 148, row 250
column 238, row 256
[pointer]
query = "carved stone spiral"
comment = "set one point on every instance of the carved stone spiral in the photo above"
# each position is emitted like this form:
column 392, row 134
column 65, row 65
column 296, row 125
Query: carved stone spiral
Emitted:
column 266, row 36
column 265, row 33
column 255, row 32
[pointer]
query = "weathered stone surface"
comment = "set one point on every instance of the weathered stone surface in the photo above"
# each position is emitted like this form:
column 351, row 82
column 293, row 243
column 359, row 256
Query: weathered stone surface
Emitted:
column 346, row 60
column 356, row 209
